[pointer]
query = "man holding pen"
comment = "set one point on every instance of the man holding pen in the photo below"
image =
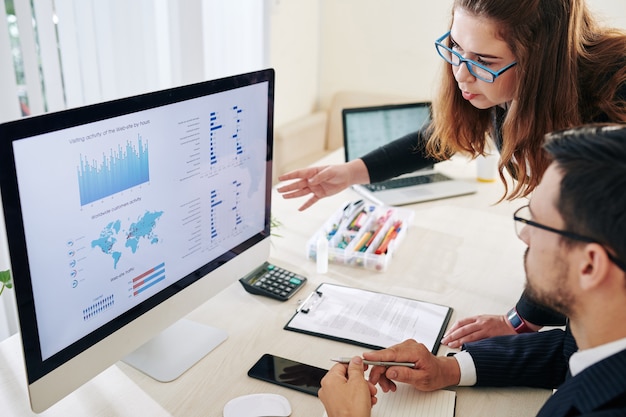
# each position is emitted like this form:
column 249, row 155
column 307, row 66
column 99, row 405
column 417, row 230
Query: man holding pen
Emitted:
column 575, row 263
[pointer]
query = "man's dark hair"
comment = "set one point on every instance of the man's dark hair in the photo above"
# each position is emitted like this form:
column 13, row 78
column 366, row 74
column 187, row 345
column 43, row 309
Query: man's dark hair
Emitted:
column 592, row 200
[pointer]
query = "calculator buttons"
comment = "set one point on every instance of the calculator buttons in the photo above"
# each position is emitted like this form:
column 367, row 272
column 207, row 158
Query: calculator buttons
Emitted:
column 273, row 281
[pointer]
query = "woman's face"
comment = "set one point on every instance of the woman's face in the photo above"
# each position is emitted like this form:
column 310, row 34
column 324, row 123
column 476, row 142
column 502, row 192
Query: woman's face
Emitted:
column 475, row 38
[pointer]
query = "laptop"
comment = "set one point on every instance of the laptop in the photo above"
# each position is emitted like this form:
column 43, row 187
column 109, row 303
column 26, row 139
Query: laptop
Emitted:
column 367, row 128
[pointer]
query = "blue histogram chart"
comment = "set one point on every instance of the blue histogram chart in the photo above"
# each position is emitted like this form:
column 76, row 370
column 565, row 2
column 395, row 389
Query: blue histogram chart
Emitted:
column 216, row 201
column 215, row 126
column 220, row 131
column 124, row 168
column 239, row 148
column 237, row 206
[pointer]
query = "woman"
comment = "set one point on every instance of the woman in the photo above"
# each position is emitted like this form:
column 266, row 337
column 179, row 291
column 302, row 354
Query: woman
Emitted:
column 515, row 71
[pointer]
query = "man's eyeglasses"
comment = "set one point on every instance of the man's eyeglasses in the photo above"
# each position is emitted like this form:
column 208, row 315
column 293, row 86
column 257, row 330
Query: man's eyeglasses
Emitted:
column 477, row 70
column 522, row 218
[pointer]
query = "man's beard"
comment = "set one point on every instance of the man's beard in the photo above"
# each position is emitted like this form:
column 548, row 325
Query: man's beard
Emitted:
column 559, row 298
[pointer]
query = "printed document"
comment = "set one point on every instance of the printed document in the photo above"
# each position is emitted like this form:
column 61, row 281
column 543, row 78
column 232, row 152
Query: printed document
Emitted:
column 369, row 319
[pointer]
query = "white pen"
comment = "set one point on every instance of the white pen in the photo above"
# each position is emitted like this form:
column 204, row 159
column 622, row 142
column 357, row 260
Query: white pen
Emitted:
column 376, row 363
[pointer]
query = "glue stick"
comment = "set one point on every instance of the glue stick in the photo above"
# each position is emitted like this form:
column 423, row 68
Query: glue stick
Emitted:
column 322, row 254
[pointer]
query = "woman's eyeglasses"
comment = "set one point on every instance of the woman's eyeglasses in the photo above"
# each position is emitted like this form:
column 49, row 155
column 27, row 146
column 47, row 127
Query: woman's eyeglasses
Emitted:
column 477, row 70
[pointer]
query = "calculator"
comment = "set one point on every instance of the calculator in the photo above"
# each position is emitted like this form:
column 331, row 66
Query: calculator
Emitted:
column 272, row 281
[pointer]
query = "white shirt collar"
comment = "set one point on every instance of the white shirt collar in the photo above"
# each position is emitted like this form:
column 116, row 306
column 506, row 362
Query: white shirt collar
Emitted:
column 585, row 358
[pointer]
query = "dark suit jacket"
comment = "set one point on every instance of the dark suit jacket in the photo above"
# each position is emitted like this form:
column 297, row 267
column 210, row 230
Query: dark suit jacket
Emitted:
column 541, row 360
column 599, row 390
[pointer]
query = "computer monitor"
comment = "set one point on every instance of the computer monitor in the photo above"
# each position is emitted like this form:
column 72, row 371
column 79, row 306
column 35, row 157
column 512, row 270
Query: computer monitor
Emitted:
column 122, row 217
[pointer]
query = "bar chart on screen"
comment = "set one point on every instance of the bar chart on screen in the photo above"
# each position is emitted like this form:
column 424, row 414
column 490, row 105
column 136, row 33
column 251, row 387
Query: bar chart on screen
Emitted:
column 122, row 168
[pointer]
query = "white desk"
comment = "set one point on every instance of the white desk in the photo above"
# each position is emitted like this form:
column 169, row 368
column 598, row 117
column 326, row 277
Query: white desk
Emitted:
column 460, row 252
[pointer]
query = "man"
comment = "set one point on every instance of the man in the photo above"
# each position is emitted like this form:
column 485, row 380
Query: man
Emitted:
column 575, row 229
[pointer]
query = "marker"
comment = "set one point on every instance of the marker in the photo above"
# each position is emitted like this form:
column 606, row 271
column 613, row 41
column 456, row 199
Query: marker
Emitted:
column 380, row 225
column 376, row 363
column 358, row 221
column 391, row 235
column 361, row 246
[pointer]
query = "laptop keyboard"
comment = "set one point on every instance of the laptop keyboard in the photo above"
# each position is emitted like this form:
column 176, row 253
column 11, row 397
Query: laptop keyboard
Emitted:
column 406, row 182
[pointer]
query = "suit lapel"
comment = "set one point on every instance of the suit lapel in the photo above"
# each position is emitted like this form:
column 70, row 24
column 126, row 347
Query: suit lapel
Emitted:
column 589, row 390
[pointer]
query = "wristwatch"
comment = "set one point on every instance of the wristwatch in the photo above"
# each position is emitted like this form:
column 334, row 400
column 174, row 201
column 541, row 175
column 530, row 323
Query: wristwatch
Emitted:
column 517, row 322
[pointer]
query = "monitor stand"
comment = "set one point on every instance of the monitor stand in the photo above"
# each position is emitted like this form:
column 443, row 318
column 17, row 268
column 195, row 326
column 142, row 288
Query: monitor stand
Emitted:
column 169, row 354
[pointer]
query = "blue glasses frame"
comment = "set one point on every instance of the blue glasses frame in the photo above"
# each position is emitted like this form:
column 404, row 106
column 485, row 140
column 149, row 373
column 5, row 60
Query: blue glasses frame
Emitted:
column 471, row 64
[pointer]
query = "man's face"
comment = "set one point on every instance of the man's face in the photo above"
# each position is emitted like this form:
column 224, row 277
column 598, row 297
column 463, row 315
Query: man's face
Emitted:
column 547, row 261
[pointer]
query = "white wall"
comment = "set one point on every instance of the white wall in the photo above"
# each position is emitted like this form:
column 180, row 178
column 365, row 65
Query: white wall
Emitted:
column 295, row 55
column 385, row 47
column 611, row 12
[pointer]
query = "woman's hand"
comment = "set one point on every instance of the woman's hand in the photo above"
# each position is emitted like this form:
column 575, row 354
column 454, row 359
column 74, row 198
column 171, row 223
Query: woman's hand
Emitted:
column 475, row 328
column 323, row 181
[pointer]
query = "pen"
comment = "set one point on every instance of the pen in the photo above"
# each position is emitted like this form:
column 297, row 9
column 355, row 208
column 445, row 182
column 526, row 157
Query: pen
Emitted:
column 383, row 246
column 376, row 363
column 371, row 239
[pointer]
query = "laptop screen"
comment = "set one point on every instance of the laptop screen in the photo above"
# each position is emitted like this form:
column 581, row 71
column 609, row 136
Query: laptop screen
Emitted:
column 367, row 128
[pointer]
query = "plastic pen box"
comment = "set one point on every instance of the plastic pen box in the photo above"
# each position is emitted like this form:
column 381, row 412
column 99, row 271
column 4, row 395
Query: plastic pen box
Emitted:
column 362, row 234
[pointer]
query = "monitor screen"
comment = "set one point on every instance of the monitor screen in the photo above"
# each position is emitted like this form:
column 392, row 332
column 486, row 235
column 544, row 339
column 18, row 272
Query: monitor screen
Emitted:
column 124, row 216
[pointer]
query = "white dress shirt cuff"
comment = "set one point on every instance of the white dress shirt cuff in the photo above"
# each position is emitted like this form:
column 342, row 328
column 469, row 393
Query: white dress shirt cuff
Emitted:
column 468, row 369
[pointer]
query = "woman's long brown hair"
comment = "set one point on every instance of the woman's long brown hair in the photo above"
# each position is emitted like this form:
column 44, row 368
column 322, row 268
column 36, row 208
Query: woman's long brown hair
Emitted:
column 569, row 72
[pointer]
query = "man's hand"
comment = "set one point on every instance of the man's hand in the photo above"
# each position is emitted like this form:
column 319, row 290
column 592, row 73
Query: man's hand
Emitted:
column 430, row 373
column 346, row 392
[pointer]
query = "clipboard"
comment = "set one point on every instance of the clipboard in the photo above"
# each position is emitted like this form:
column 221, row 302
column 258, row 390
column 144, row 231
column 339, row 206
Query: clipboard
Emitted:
column 370, row 319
